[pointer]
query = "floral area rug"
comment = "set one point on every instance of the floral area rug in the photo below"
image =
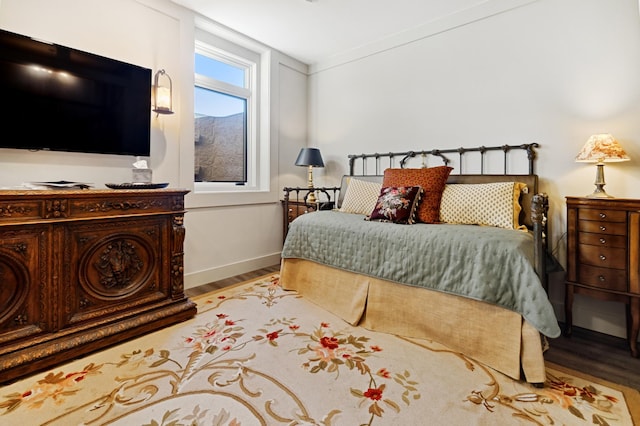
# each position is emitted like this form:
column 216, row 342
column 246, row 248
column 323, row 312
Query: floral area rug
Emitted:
column 258, row 355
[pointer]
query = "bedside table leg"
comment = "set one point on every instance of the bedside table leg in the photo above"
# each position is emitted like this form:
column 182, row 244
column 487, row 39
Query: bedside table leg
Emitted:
column 568, row 309
column 634, row 325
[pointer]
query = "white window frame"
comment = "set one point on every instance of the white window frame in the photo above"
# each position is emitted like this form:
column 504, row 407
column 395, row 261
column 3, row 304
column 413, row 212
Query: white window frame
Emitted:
column 239, row 50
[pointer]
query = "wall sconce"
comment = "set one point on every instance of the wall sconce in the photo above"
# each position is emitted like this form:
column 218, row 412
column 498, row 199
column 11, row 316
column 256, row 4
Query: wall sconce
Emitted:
column 162, row 94
column 311, row 158
column 600, row 149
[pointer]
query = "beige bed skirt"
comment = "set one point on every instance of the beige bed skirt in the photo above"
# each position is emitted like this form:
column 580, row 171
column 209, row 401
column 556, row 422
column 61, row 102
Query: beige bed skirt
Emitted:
column 492, row 335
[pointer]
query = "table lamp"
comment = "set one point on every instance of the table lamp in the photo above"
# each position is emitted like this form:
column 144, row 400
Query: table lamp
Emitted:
column 310, row 157
column 601, row 148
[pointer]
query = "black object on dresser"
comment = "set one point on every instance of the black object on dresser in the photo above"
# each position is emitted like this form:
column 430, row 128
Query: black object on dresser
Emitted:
column 603, row 256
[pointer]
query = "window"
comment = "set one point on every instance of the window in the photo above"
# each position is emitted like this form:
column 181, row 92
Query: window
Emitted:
column 228, row 158
column 226, row 107
column 221, row 98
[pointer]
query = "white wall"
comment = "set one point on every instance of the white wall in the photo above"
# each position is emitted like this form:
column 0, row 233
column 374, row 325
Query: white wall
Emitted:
column 220, row 241
column 547, row 71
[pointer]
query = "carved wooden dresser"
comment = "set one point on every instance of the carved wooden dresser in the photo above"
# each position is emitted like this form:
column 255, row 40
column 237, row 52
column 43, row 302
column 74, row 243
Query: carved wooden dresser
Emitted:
column 84, row 269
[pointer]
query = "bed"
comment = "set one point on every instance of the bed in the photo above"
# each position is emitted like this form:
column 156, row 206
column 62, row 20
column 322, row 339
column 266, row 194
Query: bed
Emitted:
column 434, row 253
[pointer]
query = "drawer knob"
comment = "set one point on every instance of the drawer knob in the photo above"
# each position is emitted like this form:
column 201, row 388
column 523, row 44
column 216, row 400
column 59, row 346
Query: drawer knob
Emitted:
column 603, row 228
column 603, row 215
column 603, row 257
column 601, row 278
column 602, row 241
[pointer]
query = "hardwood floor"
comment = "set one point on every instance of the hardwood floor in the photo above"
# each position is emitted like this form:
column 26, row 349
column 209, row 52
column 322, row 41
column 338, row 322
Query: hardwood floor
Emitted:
column 597, row 354
column 196, row 291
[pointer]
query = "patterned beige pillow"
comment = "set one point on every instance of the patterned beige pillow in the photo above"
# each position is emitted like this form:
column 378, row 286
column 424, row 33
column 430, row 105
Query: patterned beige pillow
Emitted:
column 360, row 197
column 492, row 204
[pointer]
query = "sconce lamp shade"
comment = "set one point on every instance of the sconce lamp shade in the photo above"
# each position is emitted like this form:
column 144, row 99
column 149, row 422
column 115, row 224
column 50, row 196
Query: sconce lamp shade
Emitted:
column 309, row 157
column 601, row 148
column 162, row 94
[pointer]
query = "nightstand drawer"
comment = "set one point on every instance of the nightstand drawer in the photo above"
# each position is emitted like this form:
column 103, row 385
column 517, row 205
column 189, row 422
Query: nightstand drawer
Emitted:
column 603, row 215
column 602, row 240
column 604, row 278
column 296, row 209
column 612, row 228
column 602, row 257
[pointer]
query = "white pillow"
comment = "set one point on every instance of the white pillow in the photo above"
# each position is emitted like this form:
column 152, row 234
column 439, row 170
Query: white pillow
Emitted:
column 492, row 204
column 360, row 197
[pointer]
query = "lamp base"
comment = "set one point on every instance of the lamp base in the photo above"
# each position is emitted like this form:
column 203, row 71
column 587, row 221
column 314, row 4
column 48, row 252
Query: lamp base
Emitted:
column 599, row 194
column 311, row 197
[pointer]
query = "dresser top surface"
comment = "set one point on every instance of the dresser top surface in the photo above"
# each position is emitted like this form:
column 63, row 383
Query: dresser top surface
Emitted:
column 80, row 193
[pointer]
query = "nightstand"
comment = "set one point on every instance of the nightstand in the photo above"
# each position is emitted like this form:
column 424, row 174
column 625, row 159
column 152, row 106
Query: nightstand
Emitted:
column 603, row 256
column 295, row 203
column 293, row 209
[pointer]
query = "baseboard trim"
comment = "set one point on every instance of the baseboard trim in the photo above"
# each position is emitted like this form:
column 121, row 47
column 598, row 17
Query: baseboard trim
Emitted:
column 199, row 278
column 597, row 336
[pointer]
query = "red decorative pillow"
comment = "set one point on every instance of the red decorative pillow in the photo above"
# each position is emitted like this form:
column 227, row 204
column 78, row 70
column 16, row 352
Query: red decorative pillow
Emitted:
column 431, row 179
column 397, row 204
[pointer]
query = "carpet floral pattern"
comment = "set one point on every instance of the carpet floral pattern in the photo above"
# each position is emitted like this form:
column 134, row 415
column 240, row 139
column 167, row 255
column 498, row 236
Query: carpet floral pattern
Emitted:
column 258, row 355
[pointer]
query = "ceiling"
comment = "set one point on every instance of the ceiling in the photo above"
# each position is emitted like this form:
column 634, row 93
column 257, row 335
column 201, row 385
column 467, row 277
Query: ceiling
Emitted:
column 313, row 31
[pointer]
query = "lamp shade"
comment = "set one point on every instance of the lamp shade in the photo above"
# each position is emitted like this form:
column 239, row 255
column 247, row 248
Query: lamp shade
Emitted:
column 602, row 148
column 310, row 157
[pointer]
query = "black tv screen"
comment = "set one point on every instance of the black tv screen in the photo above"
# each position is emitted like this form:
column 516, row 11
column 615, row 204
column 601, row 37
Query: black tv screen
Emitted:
column 62, row 99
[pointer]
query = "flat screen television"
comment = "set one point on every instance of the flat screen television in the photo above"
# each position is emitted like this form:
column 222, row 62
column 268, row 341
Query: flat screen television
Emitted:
column 62, row 99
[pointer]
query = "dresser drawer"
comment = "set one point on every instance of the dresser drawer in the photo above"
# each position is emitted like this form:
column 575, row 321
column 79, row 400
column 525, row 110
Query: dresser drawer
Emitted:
column 611, row 228
column 602, row 240
column 603, row 257
column 604, row 278
column 603, row 215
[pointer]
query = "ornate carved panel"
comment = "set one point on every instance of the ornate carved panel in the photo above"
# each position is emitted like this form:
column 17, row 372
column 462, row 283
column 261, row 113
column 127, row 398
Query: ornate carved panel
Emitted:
column 115, row 262
column 12, row 210
column 15, row 280
column 56, row 209
column 22, row 277
column 116, row 267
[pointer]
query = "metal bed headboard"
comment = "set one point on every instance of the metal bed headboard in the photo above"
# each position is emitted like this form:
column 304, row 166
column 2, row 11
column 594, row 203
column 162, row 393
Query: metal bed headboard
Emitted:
column 406, row 155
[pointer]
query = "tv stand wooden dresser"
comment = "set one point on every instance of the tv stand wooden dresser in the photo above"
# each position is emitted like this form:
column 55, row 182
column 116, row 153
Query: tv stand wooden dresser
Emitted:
column 84, row 269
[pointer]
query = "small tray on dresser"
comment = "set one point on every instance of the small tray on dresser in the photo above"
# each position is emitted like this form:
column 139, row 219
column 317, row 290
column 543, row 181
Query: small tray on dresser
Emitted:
column 136, row 185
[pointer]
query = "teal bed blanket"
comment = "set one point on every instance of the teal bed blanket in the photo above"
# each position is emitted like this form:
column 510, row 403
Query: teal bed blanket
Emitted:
column 489, row 264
